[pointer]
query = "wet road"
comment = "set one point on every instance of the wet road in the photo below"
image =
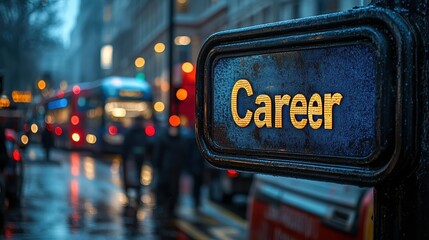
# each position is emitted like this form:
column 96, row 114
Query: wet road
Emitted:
column 79, row 196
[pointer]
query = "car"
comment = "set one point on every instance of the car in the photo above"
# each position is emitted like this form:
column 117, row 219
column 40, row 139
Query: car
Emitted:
column 290, row 208
column 225, row 184
column 13, row 173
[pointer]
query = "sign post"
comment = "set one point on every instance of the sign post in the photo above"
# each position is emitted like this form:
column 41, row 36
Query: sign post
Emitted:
column 340, row 97
column 400, row 206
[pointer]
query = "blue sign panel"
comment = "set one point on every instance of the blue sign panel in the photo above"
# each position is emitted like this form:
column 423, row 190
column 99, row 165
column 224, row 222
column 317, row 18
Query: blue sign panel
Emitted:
column 59, row 103
column 314, row 101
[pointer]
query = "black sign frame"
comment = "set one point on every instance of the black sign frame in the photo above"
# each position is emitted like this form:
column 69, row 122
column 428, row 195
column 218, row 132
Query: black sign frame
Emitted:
column 395, row 41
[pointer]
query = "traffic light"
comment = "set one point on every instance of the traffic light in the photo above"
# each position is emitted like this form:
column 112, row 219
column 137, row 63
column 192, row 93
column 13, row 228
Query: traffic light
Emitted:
column 41, row 84
column 174, row 120
column 181, row 94
column 44, row 82
column 188, row 74
column 185, row 95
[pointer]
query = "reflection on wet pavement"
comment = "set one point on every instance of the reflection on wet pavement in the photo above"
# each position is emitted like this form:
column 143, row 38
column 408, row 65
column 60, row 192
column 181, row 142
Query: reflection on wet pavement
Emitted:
column 78, row 197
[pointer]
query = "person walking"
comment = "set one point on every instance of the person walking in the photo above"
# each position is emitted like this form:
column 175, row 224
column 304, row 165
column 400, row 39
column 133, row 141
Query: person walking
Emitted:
column 168, row 161
column 194, row 164
column 136, row 150
column 47, row 141
column 4, row 158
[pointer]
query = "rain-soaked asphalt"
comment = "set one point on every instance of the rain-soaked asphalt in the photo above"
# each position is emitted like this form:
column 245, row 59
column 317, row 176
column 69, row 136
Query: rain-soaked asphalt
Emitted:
column 77, row 196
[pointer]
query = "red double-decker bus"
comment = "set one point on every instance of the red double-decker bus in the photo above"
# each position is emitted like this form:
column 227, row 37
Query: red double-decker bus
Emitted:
column 96, row 115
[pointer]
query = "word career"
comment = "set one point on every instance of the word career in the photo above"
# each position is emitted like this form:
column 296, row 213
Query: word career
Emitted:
column 298, row 106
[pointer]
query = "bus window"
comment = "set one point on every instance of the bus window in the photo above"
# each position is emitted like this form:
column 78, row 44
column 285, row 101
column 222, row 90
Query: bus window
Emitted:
column 90, row 102
column 94, row 117
column 58, row 115
column 90, row 107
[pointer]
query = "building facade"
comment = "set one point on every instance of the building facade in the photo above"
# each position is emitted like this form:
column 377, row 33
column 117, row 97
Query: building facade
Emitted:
column 82, row 58
column 140, row 29
column 244, row 13
column 110, row 35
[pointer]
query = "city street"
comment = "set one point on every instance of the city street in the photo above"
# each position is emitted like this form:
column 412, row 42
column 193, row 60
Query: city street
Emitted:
column 78, row 196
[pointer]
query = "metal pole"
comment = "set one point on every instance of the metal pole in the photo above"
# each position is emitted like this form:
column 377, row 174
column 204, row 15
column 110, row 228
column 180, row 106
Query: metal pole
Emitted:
column 401, row 207
column 1, row 83
column 171, row 10
column 394, row 210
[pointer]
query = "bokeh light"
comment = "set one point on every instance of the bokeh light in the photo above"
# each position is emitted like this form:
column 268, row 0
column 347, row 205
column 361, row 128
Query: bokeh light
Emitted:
column 159, row 47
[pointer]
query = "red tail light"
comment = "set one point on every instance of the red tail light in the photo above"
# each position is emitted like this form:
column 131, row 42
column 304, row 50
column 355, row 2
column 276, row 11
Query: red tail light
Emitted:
column 58, row 130
column 74, row 120
column 60, row 94
column 16, row 155
column 49, row 127
column 76, row 89
column 113, row 130
column 150, row 131
column 232, row 173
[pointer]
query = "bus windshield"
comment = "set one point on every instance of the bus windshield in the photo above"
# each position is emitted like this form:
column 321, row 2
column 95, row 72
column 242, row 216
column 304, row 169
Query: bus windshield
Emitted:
column 123, row 111
column 58, row 111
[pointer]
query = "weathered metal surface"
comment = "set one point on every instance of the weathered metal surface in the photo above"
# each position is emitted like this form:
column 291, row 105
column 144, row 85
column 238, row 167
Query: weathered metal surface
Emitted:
column 347, row 70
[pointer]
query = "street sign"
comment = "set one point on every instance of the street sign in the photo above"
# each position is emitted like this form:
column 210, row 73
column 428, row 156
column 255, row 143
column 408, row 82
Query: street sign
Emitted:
column 22, row 96
column 4, row 101
column 328, row 97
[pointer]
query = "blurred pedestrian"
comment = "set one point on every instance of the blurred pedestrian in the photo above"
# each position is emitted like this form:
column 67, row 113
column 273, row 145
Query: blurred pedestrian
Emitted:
column 168, row 160
column 197, row 168
column 195, row 165
column 47, row 140
column 136, row 150
column 4, row 157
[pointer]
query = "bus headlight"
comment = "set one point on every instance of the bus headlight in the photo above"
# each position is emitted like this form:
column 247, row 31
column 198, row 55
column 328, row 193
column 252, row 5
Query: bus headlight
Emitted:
column 75, row 137
column 91, row 138
column 24, row 139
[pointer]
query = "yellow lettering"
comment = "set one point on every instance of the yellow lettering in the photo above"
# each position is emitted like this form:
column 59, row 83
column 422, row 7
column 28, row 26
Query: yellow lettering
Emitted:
column 280, row 101
column 330, row 101
column 266, row 110
column 315, row 110
column 241, row 84
column 298, row 110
